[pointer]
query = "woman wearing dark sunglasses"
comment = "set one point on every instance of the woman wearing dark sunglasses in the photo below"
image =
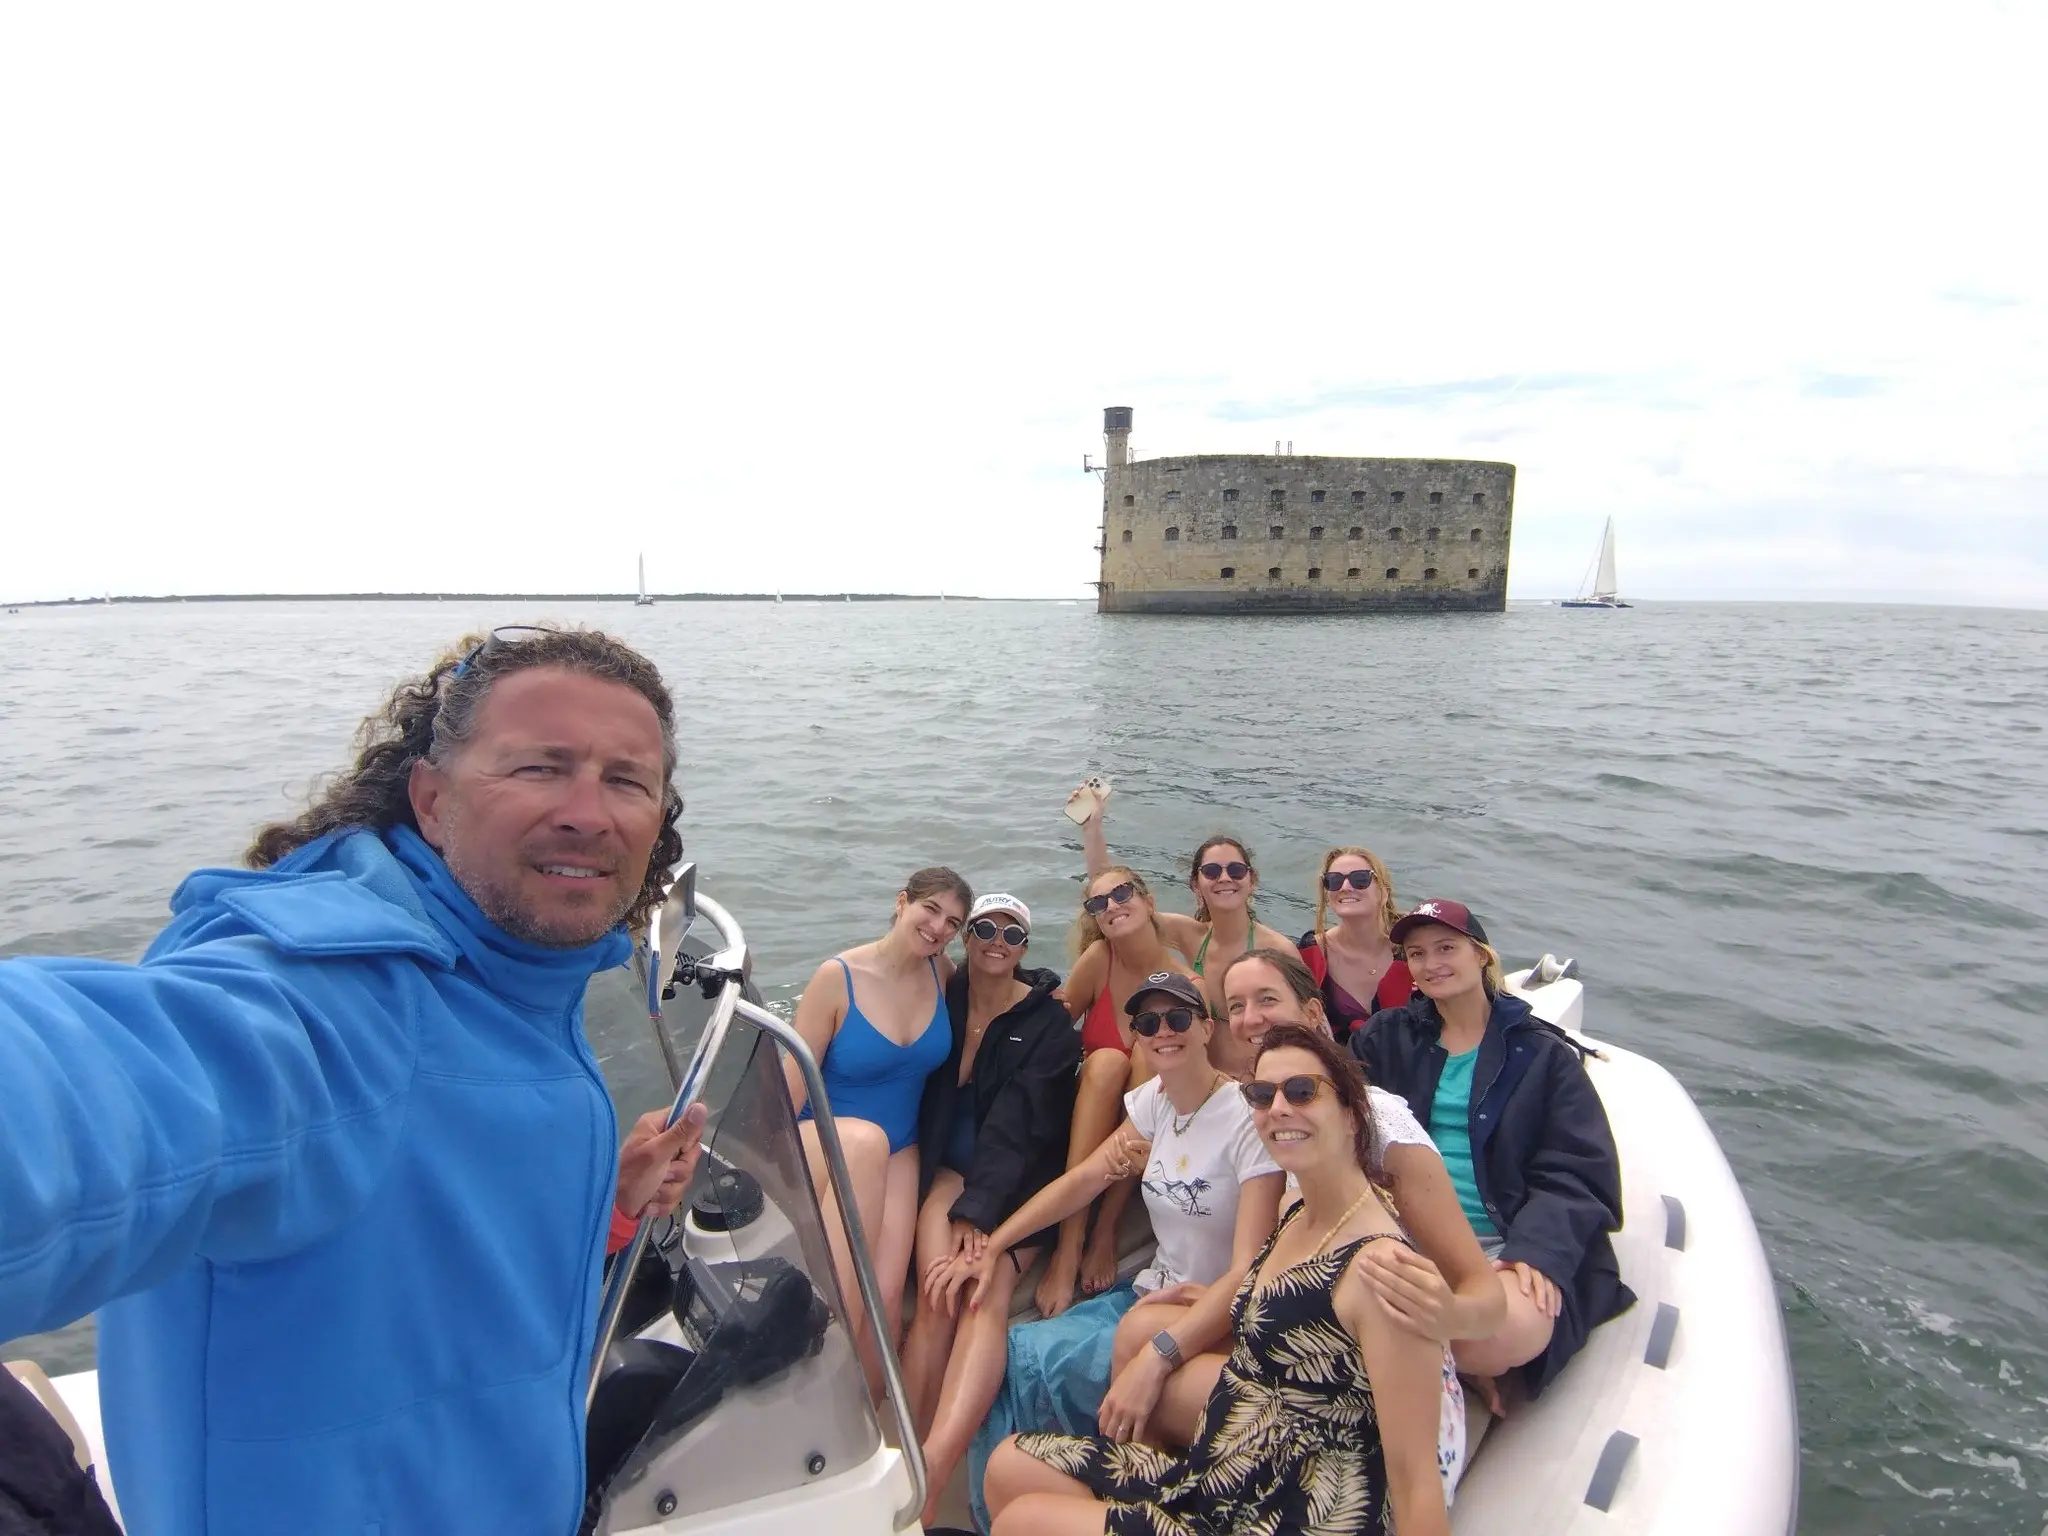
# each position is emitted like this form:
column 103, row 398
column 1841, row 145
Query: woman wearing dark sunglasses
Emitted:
column 1324, row 1418
column 1212, row 1192
column 994, row 1123
column 1223, row 879
column 1117, row 943
column 1354, row 961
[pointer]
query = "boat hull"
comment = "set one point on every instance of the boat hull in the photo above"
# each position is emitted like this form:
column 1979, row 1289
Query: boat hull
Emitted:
column 1587, row 602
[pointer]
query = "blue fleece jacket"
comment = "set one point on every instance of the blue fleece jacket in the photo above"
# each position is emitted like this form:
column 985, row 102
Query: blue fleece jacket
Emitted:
column 337, row 1163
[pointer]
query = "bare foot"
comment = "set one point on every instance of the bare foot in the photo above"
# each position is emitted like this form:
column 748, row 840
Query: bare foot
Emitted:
column 1055, row 1291
column 1098, row 1264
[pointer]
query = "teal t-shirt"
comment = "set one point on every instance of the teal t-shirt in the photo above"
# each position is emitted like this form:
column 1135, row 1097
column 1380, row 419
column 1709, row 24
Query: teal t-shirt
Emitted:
column 1450, row 1125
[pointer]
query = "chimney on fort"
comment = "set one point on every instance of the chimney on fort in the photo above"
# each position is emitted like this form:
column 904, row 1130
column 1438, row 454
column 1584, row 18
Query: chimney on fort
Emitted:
column 1116, row 434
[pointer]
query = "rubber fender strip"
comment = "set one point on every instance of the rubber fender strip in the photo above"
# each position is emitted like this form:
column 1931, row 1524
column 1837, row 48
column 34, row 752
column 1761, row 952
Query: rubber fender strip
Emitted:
column 1674, row 1223
column 1607, row 1475
column 1662, row 1332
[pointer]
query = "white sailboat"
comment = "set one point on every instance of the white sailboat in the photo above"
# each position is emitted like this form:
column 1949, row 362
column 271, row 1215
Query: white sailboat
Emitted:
column 643, row 600
column 1603, row 594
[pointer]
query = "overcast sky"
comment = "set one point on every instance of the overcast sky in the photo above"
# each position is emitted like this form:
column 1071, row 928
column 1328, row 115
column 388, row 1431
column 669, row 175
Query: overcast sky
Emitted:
column 407, row 297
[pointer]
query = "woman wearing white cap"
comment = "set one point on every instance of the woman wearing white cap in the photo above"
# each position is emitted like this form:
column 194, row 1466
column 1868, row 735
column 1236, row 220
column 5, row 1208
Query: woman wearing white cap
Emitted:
column 1213, row 1193
column 993, row 1123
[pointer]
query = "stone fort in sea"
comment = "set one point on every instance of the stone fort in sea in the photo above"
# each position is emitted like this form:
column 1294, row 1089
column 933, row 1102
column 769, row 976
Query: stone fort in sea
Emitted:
column 1258, row 533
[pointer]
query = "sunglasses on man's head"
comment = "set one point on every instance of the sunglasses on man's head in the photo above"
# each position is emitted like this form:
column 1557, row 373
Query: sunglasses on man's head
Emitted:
column 1095, row 906
column 1179, row 1020
column 1214, row 871
column 1299, row 1090
column 504, row 634
column 985, row 929
column 1357, row 879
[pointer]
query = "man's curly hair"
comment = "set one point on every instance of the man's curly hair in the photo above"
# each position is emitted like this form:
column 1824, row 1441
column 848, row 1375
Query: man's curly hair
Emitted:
column 430, row 717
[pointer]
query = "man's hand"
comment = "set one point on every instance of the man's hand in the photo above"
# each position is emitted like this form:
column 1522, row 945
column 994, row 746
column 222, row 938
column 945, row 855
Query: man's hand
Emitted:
column 1409, row 1287
column 1536, row 1285
column 655, row 1165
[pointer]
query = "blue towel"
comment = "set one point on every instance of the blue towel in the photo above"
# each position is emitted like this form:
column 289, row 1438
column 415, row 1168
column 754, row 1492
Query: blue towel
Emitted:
column 1055, row 1378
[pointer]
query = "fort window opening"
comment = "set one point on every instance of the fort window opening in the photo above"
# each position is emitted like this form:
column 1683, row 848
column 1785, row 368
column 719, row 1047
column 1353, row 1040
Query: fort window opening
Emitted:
column 1436, row 498
column 1127, row 535
column 1230, row 530
column 1173, row 495
column 1475, row 535
column 1273, row 571
column 1393, row 573
column 1356, row 533
column 1473, row 572
column 1479, row 498
column 1358, row 498
column 1352, row 572
column 1230, row 493
column 1431, row 535
column 1279, row 498
column 1394, row 532
column 1429, row 573
column 1276, row 532
column 1173, row 535
column 1316, row 496
column 1316, row 532
column 1397, row 496
column 1315, row 573
column 1228, row 572
column 1130, row 501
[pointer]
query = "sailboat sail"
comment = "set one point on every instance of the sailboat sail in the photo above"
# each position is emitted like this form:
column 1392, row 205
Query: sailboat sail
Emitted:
column 643, row 600
column 1604, row 585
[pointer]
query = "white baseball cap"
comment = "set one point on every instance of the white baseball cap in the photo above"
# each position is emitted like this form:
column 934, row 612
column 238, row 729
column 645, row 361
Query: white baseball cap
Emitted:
column 1000, row 901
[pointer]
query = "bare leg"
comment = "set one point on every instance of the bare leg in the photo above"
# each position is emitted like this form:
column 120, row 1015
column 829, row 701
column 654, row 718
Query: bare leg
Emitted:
column 931, row 1330
column 1012, row 1475
column 1054, row 1514
column 1098, row 1107
column 892, row 1244
column 866, row 1146
column 974, row 1375
column 1182, row 1402
column 1098, row 1262
column 1523, row 1336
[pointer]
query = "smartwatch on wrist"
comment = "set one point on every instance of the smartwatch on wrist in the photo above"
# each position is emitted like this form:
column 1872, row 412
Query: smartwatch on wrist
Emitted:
column 1168, row 1350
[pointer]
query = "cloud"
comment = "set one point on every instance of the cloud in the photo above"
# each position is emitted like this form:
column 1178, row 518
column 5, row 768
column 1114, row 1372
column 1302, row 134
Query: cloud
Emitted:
column 449, row 297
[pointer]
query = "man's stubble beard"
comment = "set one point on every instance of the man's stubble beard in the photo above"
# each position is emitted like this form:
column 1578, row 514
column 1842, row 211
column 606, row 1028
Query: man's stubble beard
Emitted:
column 502, row 906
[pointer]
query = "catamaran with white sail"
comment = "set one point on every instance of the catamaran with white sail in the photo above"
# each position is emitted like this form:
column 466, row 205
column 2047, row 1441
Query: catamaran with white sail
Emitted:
column 1603, row 593
column 643, row 600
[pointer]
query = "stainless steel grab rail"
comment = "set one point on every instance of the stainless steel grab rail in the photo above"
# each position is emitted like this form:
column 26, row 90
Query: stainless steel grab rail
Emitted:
column 690, row 1086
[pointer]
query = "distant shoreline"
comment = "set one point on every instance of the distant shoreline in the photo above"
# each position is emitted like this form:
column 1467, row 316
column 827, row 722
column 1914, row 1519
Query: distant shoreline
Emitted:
column 518, row 597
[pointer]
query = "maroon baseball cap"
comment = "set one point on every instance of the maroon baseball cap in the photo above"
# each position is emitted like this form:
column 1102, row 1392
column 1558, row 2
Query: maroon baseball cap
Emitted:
column 1454, row 915
column 1174, row 985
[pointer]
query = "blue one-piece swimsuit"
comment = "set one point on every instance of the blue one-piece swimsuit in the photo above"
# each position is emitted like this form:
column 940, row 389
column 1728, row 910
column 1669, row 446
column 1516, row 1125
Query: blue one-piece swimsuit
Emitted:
column 868, row 1076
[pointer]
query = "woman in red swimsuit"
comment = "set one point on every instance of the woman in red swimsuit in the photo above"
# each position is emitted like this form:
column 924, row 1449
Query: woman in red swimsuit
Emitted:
column 1119, row 943
column 1354, row 961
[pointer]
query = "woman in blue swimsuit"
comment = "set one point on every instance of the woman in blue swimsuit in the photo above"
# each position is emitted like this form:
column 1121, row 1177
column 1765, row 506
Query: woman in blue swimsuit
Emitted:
column 875, row 1017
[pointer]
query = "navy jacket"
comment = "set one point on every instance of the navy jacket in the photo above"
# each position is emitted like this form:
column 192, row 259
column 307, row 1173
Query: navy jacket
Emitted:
column 1541, row 1148
column 1023, row 1088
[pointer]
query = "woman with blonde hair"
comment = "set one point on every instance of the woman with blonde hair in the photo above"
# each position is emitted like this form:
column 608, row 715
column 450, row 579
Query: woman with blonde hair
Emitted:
column 1118, row 941
column 1522, row 1133
column 1223, row 879
column 1353, row 960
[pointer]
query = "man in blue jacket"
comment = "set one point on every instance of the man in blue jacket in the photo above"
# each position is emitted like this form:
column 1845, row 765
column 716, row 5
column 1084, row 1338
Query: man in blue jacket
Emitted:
column 334, row 1161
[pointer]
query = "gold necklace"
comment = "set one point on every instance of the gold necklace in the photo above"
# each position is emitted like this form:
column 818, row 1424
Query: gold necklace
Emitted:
column 1180, row 1126
column 1338, row 1225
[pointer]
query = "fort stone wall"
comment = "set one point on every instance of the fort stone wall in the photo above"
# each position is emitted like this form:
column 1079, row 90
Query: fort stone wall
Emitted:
column 1253, row 533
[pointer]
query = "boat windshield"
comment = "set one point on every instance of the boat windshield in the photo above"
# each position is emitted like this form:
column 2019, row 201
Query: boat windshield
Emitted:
column 733, row 1376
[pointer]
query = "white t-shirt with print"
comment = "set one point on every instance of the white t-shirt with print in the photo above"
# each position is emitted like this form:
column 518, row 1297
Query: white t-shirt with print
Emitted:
column 1191, row 1182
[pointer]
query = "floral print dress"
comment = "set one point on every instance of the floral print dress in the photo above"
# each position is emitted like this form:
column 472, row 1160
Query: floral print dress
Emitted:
column 1289, row 1440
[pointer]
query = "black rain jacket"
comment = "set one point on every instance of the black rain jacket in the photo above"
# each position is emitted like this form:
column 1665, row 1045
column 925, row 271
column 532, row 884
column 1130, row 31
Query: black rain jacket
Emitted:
column 1542, row 1151
column 1023, row 1088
